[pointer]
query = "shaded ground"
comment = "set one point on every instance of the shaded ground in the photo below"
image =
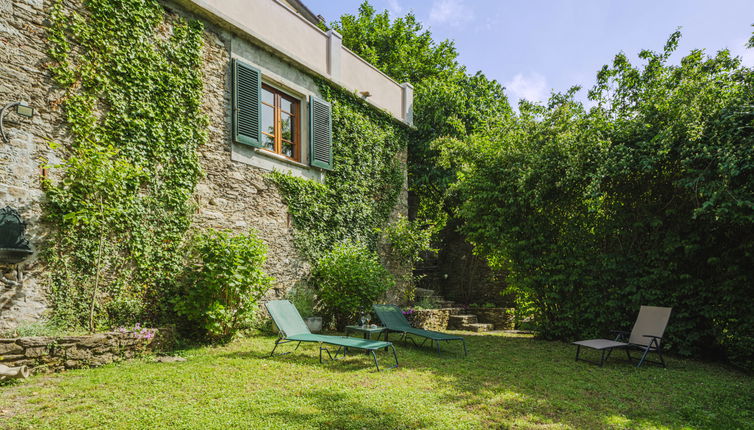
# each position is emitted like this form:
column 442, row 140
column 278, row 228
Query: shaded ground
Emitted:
column 508, row 381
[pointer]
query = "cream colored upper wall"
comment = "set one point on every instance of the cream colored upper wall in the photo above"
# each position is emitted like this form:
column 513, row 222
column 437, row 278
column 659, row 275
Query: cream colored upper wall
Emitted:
column 362, row 76
column 276, row 26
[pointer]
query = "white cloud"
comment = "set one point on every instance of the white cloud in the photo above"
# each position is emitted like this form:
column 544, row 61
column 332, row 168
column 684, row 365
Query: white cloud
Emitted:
column 532, row 87
column 394, row 7
column 450, row 12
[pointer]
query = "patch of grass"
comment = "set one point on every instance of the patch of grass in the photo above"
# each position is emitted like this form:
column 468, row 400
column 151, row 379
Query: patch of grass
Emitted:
column 39, row 328
column 508, row 381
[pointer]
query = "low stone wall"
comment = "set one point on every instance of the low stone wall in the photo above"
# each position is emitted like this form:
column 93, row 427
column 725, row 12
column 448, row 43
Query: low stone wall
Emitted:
column 437, row 319
column 432, row 319
column 502, row 318
column 52, row 354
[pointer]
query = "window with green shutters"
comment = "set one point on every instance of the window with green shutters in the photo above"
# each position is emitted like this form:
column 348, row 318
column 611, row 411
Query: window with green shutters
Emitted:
column 267, row 118
column 320, row 133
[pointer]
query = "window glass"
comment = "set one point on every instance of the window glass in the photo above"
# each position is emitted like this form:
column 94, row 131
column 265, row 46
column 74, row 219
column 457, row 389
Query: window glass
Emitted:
column 286, row 105
column 268, row 141
column 288, row 149
column 280, row 122
column 286, row 126
column 267, row 96
column 268, row 119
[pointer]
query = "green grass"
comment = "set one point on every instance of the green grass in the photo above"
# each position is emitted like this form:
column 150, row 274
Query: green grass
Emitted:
column 507, row 381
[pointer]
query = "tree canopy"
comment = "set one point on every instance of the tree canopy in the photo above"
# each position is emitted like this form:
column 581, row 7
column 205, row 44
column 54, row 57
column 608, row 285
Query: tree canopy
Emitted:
column 647, row 198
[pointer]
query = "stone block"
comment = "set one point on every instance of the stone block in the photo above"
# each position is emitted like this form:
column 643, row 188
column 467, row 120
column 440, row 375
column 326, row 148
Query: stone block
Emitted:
column 33, row 342
column 78, row 354
column 36, row 351
column 10, row 348
column 72, row 364
column 99, row 360
column 11, row 358
column 94, row 340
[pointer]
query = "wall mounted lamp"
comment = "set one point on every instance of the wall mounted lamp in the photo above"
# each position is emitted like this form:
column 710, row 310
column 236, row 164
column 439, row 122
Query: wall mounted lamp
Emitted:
column 22, row 109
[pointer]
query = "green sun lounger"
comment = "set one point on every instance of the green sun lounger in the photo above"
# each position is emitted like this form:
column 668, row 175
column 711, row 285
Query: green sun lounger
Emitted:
column 292, row 328
column 394, row 321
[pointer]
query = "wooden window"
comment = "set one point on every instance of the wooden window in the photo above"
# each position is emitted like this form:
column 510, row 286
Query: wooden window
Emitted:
column 281, row 123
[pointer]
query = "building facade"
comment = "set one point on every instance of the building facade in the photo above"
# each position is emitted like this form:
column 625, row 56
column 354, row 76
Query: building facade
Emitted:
column 261, row 60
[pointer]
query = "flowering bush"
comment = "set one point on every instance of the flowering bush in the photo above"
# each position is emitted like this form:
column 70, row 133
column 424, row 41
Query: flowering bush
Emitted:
column 138, row 331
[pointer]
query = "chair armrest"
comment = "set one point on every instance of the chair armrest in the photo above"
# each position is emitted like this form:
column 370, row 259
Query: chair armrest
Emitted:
column 650, row 335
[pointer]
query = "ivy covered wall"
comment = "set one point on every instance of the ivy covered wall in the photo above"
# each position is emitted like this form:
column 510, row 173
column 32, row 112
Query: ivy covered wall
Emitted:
column 123, row 204
column 362, row 191
column 139, row 97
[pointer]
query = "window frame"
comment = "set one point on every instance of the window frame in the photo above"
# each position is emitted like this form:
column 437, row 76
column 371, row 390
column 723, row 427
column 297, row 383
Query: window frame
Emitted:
column 277, row 137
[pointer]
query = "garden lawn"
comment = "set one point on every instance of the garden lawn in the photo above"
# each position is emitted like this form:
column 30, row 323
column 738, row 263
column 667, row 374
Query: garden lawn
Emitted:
column 507, row 381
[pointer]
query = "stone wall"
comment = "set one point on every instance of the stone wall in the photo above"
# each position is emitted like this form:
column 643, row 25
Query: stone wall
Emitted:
column 52, row 354
column 23, row 77
column 432, row 319
column 232, row 195
column 437, row 319
column 502, row 318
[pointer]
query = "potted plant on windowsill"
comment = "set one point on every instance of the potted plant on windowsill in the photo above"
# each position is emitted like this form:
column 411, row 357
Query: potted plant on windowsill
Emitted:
column 305, row 300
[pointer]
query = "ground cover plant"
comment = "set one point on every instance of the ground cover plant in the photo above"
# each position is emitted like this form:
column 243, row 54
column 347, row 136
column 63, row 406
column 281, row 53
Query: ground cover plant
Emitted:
column 507, row 381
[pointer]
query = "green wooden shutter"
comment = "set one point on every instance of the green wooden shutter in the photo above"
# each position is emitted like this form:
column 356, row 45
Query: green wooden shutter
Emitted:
column 320, row 133
column 247, row 99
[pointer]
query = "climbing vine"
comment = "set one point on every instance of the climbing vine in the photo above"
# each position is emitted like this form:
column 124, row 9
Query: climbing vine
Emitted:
column 121, row 204
column 361, row 191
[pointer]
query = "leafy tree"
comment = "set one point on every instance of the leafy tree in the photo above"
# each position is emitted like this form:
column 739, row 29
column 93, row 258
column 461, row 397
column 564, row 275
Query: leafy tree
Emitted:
column 399, row 48
column 448, row 101
column 647, row 198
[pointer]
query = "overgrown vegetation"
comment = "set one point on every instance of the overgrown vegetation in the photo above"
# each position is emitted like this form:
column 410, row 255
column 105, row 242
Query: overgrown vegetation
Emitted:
column 505, row 382
column 121, row 205
column 222, row 284
column 408, row 242
column 348, row 210
column 349, row 279
column 448, row 101
column 361, row 191
column 646, row 198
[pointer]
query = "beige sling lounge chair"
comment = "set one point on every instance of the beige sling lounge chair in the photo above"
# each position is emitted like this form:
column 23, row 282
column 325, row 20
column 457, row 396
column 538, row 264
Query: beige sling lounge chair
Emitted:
column 645, row 336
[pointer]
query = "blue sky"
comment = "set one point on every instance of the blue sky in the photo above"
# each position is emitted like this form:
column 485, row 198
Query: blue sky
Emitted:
column 535, row 46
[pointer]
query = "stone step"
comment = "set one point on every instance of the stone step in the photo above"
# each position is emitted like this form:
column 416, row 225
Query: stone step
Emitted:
column 478, row 327
column 457, row 321
column 464, row 318
column 424, row 292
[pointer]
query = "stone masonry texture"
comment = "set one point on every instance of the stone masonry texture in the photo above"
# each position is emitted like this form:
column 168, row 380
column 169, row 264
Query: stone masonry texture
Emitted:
column 231, row 195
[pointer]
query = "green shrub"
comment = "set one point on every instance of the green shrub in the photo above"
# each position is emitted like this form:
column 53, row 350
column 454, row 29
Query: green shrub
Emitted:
column 223, row 282
column 410, row 242
column 349, row 279
column 645, row 199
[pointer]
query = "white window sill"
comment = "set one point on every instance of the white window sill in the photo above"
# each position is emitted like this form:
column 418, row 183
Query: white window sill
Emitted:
column 269, row 161
column 284, row 159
